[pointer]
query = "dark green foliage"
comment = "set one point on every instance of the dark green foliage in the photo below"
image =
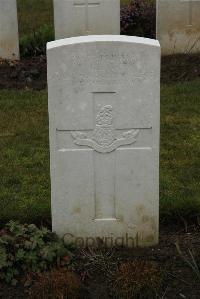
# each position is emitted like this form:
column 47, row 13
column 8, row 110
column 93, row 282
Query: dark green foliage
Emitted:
column 138, row 18
column 35, row 43
column 35, row 26
column 26, row 248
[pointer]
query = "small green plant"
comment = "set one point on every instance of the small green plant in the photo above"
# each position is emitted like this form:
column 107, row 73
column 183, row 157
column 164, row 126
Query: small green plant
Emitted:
column 190, row 260
column 26, row 248
column 56, row 284
column 137, row 279
column 35, row 43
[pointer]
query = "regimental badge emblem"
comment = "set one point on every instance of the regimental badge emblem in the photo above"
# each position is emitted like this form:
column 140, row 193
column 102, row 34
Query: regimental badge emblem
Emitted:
column 104, row 138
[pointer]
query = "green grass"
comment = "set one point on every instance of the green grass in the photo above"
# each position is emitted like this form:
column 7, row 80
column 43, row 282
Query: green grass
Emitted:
column 180, row 150
column 34, row 14
column 36, row 26
column 24, row 159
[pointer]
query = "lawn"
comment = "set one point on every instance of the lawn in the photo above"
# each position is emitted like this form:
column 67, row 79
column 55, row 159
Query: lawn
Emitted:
column 180, row 150
column 40, row 12
column 24, row 160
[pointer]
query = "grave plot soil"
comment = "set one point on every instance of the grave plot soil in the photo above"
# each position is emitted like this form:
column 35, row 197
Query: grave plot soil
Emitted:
column 96, row 267
column 24, row 74
column 178, row 68
column 31, row 73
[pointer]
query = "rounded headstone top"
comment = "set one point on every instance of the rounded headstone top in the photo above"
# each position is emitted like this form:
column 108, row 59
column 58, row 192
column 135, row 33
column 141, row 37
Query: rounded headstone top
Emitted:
column 102, row 38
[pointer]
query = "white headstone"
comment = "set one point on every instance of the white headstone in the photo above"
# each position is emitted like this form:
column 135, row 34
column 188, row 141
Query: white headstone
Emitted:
column 104, row 139
column 178, row 26
column 86, row 17
column 9, row 40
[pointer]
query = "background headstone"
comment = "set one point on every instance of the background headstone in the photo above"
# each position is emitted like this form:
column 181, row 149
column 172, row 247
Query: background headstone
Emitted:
column 9, row 40
column 104, row 138
column 178, row 26
column 84, row 17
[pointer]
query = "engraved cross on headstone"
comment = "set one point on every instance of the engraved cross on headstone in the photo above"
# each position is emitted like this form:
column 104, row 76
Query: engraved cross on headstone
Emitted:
column 104, row 139
column 86, row 5
column 190, row 10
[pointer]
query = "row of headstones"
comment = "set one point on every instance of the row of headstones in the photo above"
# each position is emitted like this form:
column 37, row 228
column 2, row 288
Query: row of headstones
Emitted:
column 178, row 23
column 104, row 98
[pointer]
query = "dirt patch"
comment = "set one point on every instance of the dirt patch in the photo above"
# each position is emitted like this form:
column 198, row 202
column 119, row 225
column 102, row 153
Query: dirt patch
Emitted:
column 24, row 74
column 32, row 73
column 180, row 281
column 95, row 266
column 179, row 68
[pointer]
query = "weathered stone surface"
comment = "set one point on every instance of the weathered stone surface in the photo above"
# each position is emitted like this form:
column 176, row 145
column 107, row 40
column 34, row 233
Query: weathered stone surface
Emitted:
column 178, row 26
column 104, row 139
column 9, row 40
column 84, row 17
